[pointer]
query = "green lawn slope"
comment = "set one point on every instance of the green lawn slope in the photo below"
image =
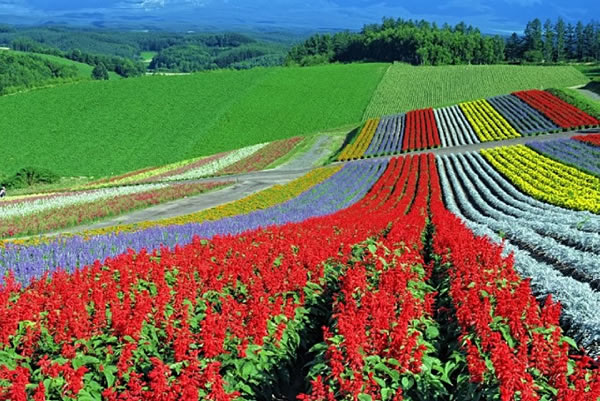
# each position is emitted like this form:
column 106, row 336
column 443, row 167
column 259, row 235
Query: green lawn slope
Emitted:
column 104, row 128
column 405, row 87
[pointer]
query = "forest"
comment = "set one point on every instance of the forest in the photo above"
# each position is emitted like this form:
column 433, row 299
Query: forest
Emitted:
column 18, row 71
column 424, row 43
column 121, row 52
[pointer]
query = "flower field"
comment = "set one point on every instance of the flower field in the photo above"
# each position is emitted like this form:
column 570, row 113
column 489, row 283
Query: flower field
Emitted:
column 555, row 247
column 578, row 154
column 421, row 131
column 498, row 118
column 546, row 179
column 471, row 274
column 455, row 129
column 406, row 304
column 252, row 158
column 520, row 115
column 362, row 142
column 36, row 215
column 591, row 139
column 560, row 112
column 487, row 123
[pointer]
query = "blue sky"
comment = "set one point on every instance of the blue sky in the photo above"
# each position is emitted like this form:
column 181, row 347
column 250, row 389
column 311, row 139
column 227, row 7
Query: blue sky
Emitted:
column 493, row 16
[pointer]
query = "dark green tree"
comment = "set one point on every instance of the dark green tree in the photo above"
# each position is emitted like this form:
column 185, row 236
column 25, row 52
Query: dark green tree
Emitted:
column 549, row 45
column 514, row 48
column 579, row 41
column 100, row 72
column 533, row 35
column 560, row 53
column 570, row 42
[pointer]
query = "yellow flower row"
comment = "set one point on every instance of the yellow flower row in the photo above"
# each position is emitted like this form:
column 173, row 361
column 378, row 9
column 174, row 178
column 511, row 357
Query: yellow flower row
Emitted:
column 357, row 149
column 546, row 179
column 488, row 124
column 260, row 200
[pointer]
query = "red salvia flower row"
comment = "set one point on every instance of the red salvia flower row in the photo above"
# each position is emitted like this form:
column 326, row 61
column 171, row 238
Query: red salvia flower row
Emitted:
column 560, row 112
column 421, row 131
column 502, row 323
column 593, row 139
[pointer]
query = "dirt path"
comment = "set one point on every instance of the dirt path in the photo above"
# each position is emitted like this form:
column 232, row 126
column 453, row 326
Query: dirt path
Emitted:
column 487, row 145
column 245, row 185
column 318, row 151
column 590, row 94
column 249, row 183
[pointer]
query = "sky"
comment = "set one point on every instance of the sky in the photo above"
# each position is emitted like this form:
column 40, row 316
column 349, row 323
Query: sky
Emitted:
column 491, row 16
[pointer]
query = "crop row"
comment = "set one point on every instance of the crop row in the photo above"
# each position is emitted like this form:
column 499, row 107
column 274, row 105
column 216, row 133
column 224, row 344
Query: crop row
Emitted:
column 360, row 145
column 474, row 191
column 512, row 343
column 56, row 215
column 572, row 152
column 560, row 112
column 232, row 312
column 546, row 179
column 350, row 184
column 455, row 129
column 221, row 318
column 487, row 123
column 524, row 118
column 251, row 158
column 593, row 139
column 421, row 131
column 493, row 119
column 388, row 136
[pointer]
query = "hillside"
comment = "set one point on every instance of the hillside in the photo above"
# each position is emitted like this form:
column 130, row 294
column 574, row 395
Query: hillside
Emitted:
column 84, row 70
column 104, row 128
column 406, row 87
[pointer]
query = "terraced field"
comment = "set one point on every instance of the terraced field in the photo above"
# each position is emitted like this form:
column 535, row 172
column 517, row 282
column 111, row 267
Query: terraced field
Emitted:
column 421, row 277
column 499, row 118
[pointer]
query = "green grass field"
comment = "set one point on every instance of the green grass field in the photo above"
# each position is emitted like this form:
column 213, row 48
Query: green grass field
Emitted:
column 104, row 128
column 85, row 70
column 405, row 87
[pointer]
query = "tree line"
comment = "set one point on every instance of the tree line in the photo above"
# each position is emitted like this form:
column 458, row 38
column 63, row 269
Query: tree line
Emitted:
column 555, row 42
column 424, row 43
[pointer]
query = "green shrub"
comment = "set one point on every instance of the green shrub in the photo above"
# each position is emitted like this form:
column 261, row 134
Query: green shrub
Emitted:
column 29, row 176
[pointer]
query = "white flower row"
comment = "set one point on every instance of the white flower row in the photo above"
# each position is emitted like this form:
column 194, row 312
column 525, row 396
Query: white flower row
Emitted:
column 28, row 207
column 453, row 127
column 580, row 302
column 217, row 165
column 536, row 235
column 501, row 207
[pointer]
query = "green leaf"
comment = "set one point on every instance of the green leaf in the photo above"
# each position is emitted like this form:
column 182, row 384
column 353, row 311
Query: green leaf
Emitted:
column 364, row 397
column 372, row 249
column 432, row 332
column 81, row 360
column 109, row 375
column 407, row 382
column 387, row 394
column 248, row 370
column 569, row 341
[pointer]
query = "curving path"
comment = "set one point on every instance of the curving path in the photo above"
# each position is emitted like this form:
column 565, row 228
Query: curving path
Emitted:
column 249, row 183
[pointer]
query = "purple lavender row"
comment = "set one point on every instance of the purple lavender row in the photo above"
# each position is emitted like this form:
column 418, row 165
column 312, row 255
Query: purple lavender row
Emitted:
column 569, row 151
column 524, row 118
column 377, row 137
column 340, row 191
column 388, row 137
